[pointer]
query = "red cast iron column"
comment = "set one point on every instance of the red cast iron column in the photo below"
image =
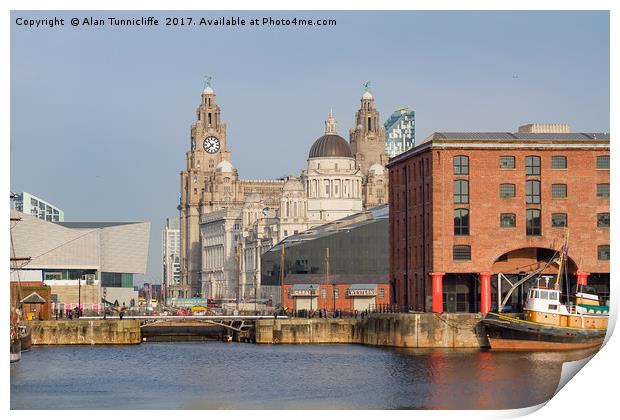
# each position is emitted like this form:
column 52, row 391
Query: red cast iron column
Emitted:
column 437, row 291
column 485, row 292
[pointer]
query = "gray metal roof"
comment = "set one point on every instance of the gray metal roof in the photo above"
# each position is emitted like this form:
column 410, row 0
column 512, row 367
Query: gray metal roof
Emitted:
column 518, row 136
column 346, row 223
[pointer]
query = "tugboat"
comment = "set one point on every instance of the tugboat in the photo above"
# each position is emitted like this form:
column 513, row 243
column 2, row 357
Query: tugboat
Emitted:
column 548, row 324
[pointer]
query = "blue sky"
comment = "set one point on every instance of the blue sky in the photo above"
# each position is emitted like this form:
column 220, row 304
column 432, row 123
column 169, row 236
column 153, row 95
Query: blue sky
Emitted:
column 100, row 117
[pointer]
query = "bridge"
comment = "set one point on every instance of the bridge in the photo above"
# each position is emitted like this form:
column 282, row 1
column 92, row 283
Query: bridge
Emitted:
column 194, row 327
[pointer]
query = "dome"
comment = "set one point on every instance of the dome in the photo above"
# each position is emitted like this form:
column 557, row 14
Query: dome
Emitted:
column 224, row 166
column 376, row 169
column 208, row 90
column 293, row 184
column 367, row 95
column 330, row 145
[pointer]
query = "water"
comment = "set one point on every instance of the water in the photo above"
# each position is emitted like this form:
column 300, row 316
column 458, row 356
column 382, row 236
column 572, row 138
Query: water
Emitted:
column 216, row 375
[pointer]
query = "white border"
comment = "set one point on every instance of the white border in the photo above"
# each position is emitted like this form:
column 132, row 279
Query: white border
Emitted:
column 591, row 393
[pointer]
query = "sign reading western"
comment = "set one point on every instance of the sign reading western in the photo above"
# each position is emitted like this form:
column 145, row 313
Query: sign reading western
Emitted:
column 361, row 292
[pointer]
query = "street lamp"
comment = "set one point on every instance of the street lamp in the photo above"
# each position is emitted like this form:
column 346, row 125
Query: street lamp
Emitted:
column 311, row 297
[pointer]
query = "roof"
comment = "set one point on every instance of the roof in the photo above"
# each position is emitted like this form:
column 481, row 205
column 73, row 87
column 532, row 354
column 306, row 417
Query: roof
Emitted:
column 353, row 221
column 516, row 136
column 330, row 145
column 481, row 140
column 33, row 297
column 354, row 279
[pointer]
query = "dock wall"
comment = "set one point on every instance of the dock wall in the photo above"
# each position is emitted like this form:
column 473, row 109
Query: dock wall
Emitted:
column 392, row 330
column 91, row 332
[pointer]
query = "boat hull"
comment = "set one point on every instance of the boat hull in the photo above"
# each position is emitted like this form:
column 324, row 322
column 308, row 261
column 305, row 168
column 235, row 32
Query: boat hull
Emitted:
column 508, row 333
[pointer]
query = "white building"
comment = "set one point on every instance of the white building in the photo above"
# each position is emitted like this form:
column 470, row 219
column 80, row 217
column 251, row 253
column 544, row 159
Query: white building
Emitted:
column 81, row 261
column 219, row 232
column 171, row 263
column 400, row 132
column 27, row 203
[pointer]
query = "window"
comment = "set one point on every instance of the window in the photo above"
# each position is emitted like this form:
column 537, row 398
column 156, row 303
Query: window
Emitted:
column 558, row 190
column 506, row 162
column 507, row 220
column 558, row 162
column 461, row 222
column 507, row 190
column 532, row 192
column 602, row 162
column 461, row 165
column 603, row 252
column 602, row 190
column 381, row 293
column 532, row 222
column 602, row 220
column 461, row 253
column 323, row 293
column 532, row 165
column 503, row 257
column 559, row 220
column 336, row 292
column 461, row 191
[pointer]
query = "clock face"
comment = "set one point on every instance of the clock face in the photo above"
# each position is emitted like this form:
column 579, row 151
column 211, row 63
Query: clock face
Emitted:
column 211, row 144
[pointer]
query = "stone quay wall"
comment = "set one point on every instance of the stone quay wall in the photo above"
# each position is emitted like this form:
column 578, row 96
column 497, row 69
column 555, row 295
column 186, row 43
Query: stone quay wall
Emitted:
column 91, row 332
column 391, row 330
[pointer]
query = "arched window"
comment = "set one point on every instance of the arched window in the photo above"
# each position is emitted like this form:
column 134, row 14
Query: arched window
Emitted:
column 461, row 222
column 461, row 165
column 532, row 222
column 532, row 192
column 532, row 165
column 461, row 191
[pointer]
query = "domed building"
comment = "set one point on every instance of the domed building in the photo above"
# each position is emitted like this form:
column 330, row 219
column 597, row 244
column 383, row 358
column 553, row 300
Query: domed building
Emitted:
column 333, row 183
column 226, row 222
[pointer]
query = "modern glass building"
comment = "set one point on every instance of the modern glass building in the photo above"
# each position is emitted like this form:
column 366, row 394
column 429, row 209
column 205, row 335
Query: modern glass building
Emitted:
column 27, row 203
column 400, row 132
column 358, row 245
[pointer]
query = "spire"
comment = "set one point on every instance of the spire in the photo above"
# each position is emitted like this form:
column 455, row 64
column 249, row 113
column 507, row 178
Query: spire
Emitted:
column 330, row 124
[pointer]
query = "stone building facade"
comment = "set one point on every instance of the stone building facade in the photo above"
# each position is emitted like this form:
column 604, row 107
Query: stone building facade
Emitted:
column 467, row 206
column 226, row 223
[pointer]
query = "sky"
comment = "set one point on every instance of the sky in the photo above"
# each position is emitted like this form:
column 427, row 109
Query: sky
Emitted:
column 100, row 116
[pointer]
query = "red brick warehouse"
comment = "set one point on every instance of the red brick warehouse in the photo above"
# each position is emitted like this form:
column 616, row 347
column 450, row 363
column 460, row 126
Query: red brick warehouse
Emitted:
column 467, row 206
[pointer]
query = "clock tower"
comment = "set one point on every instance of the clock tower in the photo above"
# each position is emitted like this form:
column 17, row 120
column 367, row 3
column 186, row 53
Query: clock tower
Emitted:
column 207, row 150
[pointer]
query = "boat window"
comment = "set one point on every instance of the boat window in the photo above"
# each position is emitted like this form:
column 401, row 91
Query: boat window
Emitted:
column 544, row 295
column 553, row 296
column 553, row 307
column 537, row 294
column 531, row 294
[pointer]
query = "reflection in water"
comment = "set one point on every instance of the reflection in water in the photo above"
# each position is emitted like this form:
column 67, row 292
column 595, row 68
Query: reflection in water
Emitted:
column 217, row 375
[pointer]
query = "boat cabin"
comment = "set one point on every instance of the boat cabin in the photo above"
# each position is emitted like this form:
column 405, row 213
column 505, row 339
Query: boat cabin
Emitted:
column 543, row 306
